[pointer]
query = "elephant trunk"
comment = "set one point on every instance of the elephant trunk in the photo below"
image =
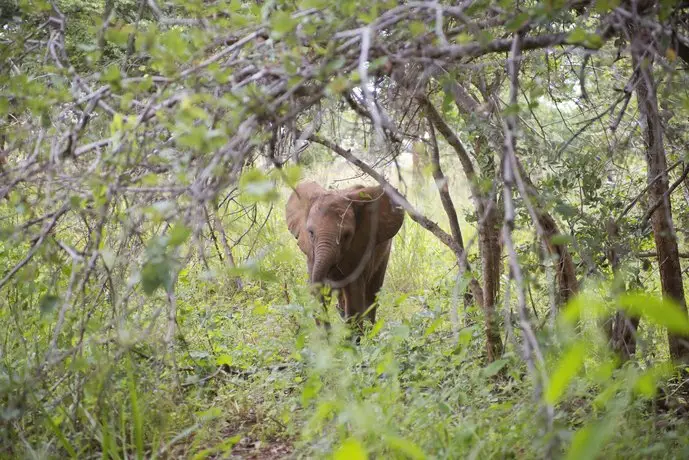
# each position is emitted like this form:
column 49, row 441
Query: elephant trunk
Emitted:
column 324, row 258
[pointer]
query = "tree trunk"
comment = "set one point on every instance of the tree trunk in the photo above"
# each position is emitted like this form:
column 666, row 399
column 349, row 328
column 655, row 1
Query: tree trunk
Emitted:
column 661, row 220
column 620, row 328
column 489, row 225
column 488, row 236
column 564, row 273
column 489, row 245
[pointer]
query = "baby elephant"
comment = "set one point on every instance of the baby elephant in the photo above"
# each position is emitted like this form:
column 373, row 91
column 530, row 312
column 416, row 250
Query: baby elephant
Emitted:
column 346, row 236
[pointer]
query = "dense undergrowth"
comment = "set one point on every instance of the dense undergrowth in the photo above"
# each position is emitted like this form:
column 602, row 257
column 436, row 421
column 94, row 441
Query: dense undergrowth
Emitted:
column 250, row 374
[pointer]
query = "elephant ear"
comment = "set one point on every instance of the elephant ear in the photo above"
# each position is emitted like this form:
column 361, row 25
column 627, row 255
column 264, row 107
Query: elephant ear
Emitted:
column 297, row 210
column 373, row 202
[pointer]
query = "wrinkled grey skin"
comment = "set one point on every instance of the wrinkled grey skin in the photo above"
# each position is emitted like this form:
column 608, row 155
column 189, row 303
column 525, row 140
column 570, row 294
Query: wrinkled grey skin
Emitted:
column 346, row 236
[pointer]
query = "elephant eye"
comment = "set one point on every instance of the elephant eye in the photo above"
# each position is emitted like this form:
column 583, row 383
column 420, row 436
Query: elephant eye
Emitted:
column 310, row 233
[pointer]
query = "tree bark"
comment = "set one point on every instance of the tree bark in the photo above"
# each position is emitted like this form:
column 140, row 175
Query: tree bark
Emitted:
column 490, row 249
column 564, row 273
column 619, row 328
column 661, row 220
column 489, row 240
column 494, row 346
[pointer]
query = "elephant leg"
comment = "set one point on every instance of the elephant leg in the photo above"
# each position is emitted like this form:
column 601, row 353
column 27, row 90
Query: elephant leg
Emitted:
column 373, row 286
column 354, row 308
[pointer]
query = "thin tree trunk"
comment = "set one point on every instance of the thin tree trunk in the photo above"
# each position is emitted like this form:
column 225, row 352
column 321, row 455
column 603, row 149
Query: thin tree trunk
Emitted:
column 489, row 245
column 494, row 347
column 565, row 272
column 490, row 223
column 620, row 328
column 661, row 220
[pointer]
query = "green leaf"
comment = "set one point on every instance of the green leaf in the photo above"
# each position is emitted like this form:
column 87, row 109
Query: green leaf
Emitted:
column 117, row 124
column 647, row 383
column 338, row 85
column 404, row 446
column 578, row 35
column 112, row 74
column 155, row 275
column 584, row 302
column 318, row 4
column 210, row 414
column 567, row 368
column 54, row 425
column 48, row 303
column 433, row 326
column 282, row 23
column 4, row 106
column 224, row 360
column 566, row 210
column 257, row 186
column 494, row 367
column 417, row 28
column 174, row 43
column 311, row 389
column 76, row 202
column 560, row 239
column 384, row 364
column 659, row 311
column 589, row 440
column 291, row 175
column 109, row 258
column 351, row 449
column 376, row 328
column 118, row 35
column 178, row 234
column 603, row 6
column 517, row 22
column 594, row 41
column 335, row 65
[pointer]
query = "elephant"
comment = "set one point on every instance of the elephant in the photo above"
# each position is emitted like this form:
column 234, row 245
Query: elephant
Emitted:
column 346, row 236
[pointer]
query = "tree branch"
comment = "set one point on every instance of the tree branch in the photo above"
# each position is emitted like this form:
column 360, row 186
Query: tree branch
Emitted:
column 442, row 183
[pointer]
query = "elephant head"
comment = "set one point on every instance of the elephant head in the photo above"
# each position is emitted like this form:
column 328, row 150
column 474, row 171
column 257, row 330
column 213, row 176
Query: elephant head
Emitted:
column 336, row 229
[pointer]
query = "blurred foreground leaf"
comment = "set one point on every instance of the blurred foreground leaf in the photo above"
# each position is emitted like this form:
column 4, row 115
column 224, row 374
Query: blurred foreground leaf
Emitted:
column 657, row 310
column 351, row 449
column 567, row 368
